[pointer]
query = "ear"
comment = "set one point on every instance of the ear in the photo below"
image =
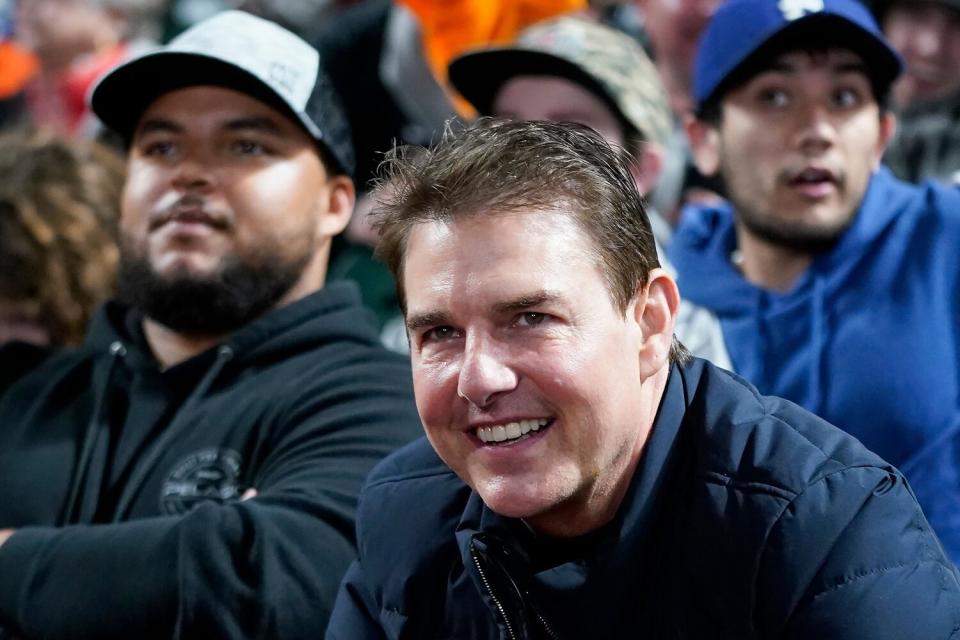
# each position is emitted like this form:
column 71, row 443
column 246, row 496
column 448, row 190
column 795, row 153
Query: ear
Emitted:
column 705, row 144
column 888, row 127
column 655, row 311
column 336, row 208
column 647, row 165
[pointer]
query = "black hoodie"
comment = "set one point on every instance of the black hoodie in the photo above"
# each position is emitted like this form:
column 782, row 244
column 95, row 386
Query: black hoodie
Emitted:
column 124, row 482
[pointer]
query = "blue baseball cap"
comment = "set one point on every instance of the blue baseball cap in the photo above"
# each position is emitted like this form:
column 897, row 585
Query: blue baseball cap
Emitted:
column 742, row 31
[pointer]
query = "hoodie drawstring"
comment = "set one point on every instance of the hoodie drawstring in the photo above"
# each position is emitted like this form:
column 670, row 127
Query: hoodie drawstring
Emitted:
column 98, row 421
column 159, row 448
column 818, row 344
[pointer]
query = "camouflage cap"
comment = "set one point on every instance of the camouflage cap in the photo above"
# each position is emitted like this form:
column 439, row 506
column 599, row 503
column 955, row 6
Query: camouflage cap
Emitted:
column 607, row 62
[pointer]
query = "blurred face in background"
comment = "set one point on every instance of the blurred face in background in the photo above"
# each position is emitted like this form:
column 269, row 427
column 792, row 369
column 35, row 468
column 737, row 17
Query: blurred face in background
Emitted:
column 58, row 31
column 674, row 28
column 927, row 34
column 556, row 99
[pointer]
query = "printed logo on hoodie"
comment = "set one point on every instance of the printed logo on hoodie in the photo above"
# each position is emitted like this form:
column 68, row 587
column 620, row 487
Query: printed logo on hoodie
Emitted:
column 206, row 475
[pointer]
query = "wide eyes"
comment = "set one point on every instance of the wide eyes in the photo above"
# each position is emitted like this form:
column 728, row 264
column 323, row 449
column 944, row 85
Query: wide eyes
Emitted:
column 840, row 98
column 776, row 98
column 846, row 98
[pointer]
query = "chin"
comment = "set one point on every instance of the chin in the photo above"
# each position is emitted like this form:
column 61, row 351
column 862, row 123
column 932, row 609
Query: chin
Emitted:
column 186, row 268
column 511, row 504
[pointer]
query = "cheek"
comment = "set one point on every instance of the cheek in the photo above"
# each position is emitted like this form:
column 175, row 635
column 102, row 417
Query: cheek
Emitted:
column 435, row 390
column 140, row 194
column 279, row 187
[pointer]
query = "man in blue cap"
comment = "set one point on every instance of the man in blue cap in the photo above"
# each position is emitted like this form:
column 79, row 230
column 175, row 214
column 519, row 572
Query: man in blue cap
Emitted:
column 836, row 285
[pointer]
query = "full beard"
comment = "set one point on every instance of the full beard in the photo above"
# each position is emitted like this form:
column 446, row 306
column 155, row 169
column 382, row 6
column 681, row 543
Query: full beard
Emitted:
column 240, row 291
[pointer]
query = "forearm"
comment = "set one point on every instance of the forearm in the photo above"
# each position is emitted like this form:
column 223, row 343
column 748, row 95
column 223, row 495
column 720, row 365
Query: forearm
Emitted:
column 87, row 581
column 222, row 571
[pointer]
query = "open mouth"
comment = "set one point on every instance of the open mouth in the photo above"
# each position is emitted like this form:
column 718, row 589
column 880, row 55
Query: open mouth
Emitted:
column 813, row 182
column 512, row 431
column 812, row 176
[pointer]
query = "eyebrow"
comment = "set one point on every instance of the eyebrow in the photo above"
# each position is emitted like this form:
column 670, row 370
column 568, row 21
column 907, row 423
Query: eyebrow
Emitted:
column 253, row 123
column 158, row 125
column 428, row 319
column 525, row 301
column 839, row 68
column 433, row 318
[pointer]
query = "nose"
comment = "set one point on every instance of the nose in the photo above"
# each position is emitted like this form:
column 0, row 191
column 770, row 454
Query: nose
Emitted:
column 928, row 39
column 816, row 129
column 485, row 373
column 192, row 174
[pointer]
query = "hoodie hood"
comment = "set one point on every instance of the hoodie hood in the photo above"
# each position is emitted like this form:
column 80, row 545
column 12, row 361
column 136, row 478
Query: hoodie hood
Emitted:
column 282, row 335
column 706, row 238
column 781, row 341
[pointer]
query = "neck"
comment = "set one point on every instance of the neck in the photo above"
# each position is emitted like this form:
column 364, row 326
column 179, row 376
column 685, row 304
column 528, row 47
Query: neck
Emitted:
column 676, row 83
column 171, row 347
column 769, row 265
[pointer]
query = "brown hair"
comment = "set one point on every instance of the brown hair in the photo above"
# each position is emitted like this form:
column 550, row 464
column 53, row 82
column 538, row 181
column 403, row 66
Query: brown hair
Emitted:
column 59, row 206
column 498, row 166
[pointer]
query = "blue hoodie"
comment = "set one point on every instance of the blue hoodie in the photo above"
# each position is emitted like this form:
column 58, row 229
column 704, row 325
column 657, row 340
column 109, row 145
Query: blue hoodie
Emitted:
column 869, row 336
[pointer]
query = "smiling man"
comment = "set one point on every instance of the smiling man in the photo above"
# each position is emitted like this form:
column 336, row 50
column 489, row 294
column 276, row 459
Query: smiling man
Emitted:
column 583, row 476
column 835, row 284
column 192, row 471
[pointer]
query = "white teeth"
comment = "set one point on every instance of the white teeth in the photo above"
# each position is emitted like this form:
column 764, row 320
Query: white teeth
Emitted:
column 510, row 431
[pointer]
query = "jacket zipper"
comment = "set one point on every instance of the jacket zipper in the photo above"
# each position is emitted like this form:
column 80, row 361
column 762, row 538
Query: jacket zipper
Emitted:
column 493, row 596
column 546, row 627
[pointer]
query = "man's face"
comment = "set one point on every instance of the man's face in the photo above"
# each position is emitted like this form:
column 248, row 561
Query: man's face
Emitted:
column 527, row 377
column 927, row 34
column 556, row 99
column 796, row 146
column 220, row 185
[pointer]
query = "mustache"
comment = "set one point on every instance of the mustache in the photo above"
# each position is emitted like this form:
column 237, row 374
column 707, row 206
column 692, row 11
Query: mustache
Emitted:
column 190, row 208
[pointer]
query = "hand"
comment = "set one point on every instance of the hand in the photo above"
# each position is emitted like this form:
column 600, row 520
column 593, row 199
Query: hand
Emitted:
column 4, row 534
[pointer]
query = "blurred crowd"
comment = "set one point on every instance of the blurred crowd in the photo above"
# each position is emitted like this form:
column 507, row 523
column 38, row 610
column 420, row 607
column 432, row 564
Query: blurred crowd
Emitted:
column 389, row 60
